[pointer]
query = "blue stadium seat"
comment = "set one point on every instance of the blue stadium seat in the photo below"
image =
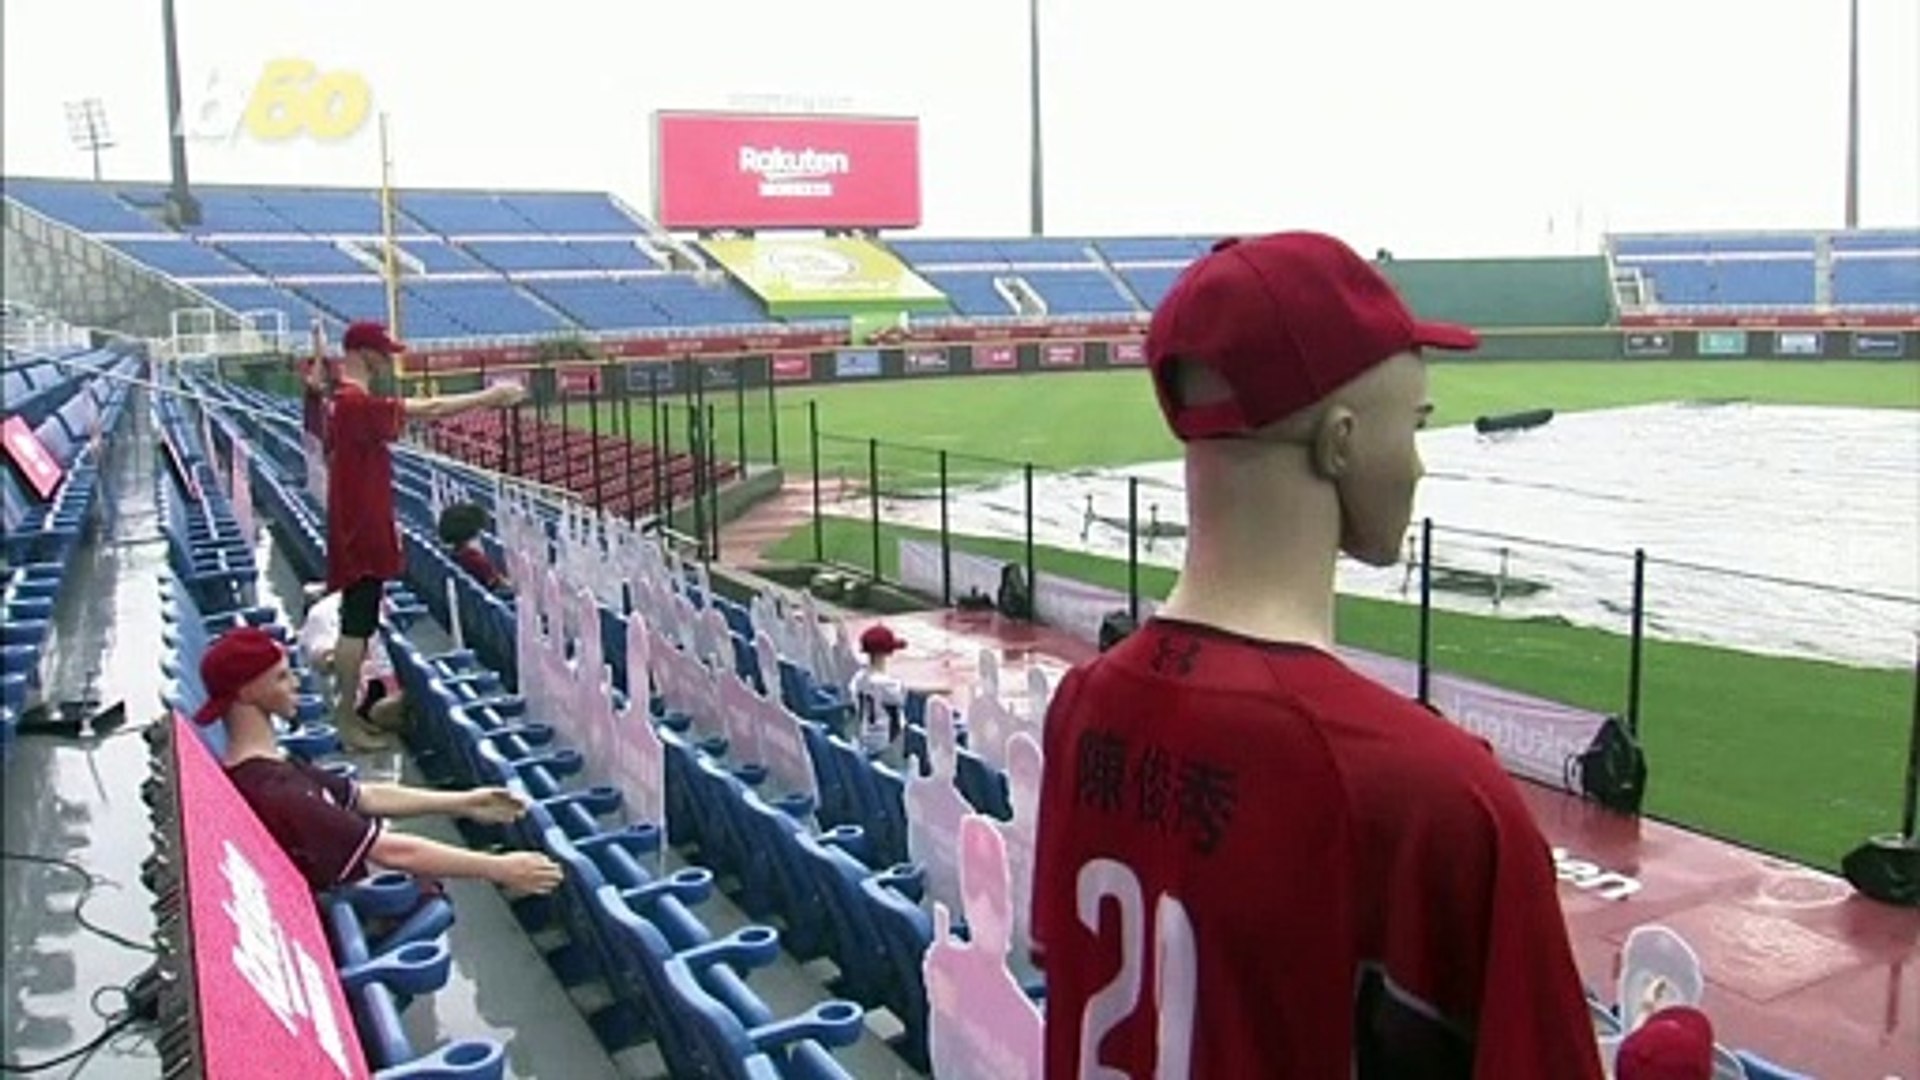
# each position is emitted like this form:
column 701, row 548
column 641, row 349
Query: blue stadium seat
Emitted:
column 1877, row 282
column 971, row 291
column 440, row 257
column 1152, row 249
column 601, row 303
column 466, row 213
column 1074, row 292
column 293, row 258
column 180, row 257
column 89, row 207
column 515, row 255
column 563, row 213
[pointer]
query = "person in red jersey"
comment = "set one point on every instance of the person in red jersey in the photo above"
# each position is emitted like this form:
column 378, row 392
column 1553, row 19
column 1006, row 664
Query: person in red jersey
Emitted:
column 1251, row 860
column 363, row 540
column 330, row 826
column 460, row 527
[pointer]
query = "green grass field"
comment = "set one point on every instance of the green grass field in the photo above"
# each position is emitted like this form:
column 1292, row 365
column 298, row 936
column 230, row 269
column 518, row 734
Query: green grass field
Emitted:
column 1798, row 757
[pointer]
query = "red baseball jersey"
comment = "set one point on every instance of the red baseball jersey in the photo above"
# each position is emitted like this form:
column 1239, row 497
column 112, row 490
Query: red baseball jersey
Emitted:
column 311, row 814
column 363, row 539
column 1253, row 861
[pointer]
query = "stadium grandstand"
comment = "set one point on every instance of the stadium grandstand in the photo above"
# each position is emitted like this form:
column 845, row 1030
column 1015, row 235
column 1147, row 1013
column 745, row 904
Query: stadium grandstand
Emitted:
column 495, row 270
column 751, row 886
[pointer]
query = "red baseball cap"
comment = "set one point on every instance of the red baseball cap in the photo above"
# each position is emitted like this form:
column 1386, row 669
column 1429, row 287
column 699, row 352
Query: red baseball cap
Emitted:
column 879, row 639
column 1674, row 1044
column 229, row 664
column 370, row 335
column 1285, row 320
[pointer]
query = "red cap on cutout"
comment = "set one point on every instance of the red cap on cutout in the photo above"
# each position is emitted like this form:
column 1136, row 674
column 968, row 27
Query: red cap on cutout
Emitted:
column 1673, row 1044
column 880, row 640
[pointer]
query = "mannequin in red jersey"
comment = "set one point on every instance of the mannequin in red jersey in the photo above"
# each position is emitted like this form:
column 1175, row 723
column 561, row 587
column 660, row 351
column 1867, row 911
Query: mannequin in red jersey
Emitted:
column 1251, row 860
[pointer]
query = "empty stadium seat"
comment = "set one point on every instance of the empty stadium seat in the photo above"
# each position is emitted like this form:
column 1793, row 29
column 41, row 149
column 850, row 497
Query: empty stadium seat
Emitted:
column 89, row 207
column 293, row 258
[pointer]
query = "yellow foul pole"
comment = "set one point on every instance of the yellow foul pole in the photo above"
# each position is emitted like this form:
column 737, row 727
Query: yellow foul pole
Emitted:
column 390, row 259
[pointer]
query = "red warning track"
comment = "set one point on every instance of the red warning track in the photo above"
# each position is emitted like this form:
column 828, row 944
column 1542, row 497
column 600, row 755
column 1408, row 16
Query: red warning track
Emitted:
column 1800, row 969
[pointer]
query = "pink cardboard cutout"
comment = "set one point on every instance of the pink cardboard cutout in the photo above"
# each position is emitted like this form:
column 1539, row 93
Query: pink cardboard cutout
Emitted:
column 935, row 809
column 640, row 759
column 981, row 1024
column 1023, row 784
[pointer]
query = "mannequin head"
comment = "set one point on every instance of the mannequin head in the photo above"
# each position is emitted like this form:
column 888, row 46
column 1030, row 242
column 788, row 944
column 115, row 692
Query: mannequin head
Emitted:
column 1349, row 462
column 368, row 352
column 1292, row 371
column 249, row 685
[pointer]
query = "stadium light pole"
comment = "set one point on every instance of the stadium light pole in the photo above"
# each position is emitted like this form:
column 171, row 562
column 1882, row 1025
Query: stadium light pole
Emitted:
column 1853, row 116
column 87, row 127
column 1038, row 194
column 182, row 207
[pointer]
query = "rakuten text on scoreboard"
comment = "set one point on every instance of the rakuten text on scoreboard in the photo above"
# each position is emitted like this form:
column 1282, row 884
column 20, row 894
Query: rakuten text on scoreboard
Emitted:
column 764, row 171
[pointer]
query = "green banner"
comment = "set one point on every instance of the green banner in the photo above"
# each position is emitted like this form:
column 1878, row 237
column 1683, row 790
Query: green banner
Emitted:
column 1722, row 343
column 827, row 276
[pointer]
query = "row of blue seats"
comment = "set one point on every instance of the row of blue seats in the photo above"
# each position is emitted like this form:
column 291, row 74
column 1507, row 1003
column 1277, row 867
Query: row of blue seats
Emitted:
column 80, row 406
column 1706, row 244
column 187, row 257
column 453, row 309
column 1857, row 282
column 131, row 208
column 205, row 544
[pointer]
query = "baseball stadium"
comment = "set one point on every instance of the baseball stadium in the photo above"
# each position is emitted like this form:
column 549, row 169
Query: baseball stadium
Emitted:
column 671, row 451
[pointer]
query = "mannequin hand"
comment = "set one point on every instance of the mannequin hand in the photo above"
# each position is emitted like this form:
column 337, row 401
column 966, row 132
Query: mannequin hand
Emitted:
column 494, row 806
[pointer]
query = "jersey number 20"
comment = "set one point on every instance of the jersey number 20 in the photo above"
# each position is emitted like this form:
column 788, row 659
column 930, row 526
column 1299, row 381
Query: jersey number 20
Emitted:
column 1175, row 976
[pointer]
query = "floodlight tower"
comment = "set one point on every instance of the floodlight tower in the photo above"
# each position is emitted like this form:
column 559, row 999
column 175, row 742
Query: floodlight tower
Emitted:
column 1853, row 117
column 1038, row 194
column 87, row 127
column 182, row 207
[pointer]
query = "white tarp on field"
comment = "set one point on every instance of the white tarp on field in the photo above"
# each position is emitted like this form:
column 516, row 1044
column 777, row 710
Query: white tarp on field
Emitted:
column 1812, row 494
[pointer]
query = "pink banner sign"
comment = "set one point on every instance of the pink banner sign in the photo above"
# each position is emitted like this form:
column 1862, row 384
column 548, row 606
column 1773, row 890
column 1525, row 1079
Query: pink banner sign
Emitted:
column 24, row 447
column 263, row 972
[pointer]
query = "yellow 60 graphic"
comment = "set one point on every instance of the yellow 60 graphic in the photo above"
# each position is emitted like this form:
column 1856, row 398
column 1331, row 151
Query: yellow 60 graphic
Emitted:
column 294, row 97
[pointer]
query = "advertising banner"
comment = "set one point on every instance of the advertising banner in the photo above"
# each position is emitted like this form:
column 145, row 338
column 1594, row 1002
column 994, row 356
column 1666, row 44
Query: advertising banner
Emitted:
column 747, row 171
column 856, row 364
column 826, row 274
column 646, row 378
column 1797, row 343
column 997, row 356
column 1126, row 354
column 1879, row 345
column 579, row 382
column 792, row 367
column 926, row 361
column 1649, row 343
column 1062, row 354
column 1723, row 343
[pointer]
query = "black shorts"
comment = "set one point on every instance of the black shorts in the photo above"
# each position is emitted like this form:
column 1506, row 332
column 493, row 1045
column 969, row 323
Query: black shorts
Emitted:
column 360, row 608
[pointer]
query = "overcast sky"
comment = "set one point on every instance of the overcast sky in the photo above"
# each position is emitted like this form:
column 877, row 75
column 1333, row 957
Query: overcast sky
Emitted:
column 1432, row 127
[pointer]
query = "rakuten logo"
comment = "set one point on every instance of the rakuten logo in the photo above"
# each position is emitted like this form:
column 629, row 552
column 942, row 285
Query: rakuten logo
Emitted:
column 790, row 174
